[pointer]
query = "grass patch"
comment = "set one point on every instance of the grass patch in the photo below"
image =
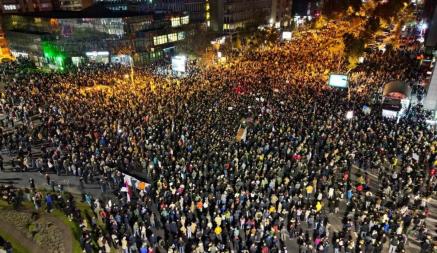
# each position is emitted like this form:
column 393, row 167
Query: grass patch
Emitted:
column 86, row 211
column 4, row 204
column 25, row 205
column 83, row 207
column 73, row 227
column 16, row 245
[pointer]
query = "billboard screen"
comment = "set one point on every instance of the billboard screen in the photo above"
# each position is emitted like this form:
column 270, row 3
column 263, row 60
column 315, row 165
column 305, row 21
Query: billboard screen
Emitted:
column 389, row 113
column 178, row 63
column 338, row 81
column 287, row 36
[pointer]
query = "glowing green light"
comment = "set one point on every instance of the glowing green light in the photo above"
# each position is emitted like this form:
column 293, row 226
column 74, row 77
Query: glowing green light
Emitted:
column 54, row 54
column 59, row 59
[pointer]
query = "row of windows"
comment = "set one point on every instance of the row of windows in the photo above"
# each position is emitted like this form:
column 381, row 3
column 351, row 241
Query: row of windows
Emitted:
column 159, row 40
column 241, row 16
column 135, row 27
column 10, row 7
column 142, row 44
column 196, row 7
column 146, row 57
column 178, row 21
column 167, row 38
column 118, row 8
column 172, row 37
column 233, row 26
column 175, row 22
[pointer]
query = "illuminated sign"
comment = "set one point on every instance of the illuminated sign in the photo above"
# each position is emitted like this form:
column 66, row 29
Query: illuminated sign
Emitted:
column 97, row 53
column 338, row 81
column 19, row 54
column 287, row 36
column 178, row 63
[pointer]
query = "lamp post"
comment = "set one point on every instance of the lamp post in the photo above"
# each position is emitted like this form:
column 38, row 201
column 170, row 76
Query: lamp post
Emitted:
column 129, row 49
column 132, row 51
column 132, row 69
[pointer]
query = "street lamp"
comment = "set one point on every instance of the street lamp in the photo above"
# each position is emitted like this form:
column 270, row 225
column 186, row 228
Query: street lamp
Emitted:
column 132, row 69
column 129, row 51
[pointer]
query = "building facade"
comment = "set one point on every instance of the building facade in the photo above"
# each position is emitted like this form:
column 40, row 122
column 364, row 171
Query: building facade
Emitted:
column 95, row 35
column 281, row 12
column 24, row 6
column 73, row 5
column 430, row 16
column 196, row 9
column 231, row 15
column 305, row 8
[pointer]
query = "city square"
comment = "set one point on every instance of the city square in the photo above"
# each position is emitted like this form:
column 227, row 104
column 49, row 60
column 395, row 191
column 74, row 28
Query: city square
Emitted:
column 287, row 133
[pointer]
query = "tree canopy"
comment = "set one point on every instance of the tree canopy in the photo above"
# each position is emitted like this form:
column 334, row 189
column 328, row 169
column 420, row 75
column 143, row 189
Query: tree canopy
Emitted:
column 389, row 9
column 333, row 7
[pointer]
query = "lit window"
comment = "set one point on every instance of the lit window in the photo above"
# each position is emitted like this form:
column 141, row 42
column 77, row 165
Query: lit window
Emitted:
column 175, row 22
column 185, row 20
column 155, row 55
column 172, row 37
column 207, row 7
column 181, row 35
column 159, row 40
column 207, row 16
column 10, row 7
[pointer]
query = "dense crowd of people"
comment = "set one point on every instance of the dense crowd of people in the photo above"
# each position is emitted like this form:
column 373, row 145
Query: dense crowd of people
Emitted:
column 5, row 245
column 300, row 160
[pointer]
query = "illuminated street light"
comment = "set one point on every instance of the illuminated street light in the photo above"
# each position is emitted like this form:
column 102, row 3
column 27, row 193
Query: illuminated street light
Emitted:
column 423, row 26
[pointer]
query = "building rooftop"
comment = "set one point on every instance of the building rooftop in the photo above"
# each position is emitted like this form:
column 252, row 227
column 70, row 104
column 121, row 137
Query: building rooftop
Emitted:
column 95, row 11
